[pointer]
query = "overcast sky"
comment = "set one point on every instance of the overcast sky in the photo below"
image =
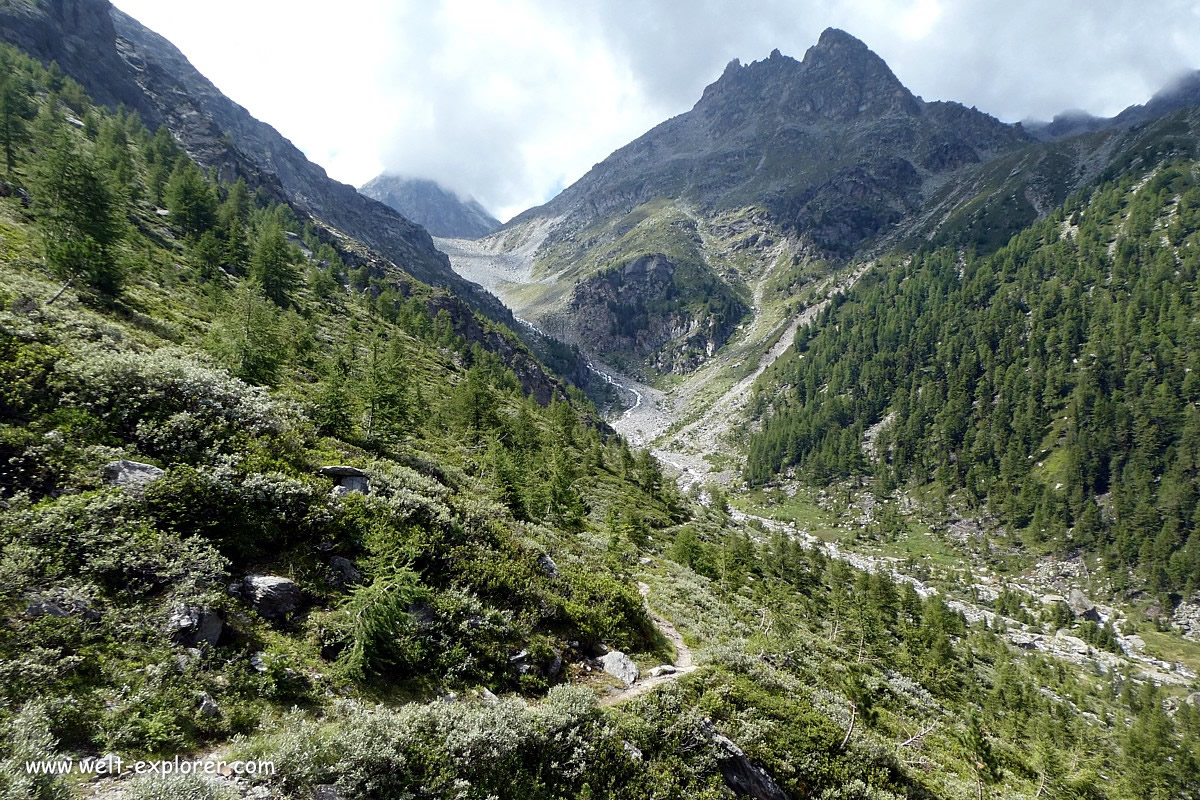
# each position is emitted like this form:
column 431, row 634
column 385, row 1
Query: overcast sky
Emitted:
column 511, row 100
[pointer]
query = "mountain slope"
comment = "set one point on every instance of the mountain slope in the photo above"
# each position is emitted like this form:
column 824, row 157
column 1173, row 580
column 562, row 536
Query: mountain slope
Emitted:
column 267, row 498
column 427, row 203
column 1054, row 382
column 1182, row 93
column 119, row 61
column 781, row 162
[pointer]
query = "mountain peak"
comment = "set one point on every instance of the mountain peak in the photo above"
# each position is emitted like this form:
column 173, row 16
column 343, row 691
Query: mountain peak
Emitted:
column 836, row 37
column 839, row 79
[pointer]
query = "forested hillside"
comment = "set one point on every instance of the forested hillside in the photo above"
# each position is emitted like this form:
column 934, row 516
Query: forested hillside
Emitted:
column 169, row 402
column 1053, row 383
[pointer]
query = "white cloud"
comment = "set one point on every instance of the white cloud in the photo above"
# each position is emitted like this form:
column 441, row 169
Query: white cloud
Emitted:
column 511, row 100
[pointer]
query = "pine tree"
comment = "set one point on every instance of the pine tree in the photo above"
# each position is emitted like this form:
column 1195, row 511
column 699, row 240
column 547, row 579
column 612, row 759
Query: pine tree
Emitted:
column 385, row 392
column 272, row 266
column 15, row 109
column 78, row 216
column 190, row 198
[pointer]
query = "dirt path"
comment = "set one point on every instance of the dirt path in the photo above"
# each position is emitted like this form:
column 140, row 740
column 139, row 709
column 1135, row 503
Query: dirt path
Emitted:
column 682, row 666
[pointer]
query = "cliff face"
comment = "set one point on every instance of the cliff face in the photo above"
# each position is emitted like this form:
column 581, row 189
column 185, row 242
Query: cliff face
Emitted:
column 119, row 61
column 640, row 309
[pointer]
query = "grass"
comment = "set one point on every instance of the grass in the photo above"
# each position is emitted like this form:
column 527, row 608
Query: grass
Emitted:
column 1172, row 647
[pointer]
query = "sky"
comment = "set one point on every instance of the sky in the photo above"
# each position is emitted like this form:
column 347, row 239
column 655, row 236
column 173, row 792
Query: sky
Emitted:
column 509, row 101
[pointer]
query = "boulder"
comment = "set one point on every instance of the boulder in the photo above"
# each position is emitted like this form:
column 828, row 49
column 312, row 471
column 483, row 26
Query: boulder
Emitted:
column 620, row 666
column 347, row 480
column 743, row 777
column 546, row 564
column 344, row 571
column 1082, row 607
column 131, row 475
column 555, row 665
column 191, row 625
column 271, row 596
column 659, row 671
column 208, row 706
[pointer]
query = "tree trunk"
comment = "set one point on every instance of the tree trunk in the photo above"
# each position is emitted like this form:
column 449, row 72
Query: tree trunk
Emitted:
column 58, row 294
column 850, row 730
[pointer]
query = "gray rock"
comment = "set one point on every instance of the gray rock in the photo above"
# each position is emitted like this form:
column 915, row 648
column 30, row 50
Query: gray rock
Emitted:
column 191, row 625
column 554, row 668
column 271, row 596
column 1082, row 607
column 665, row 669
column 743, row 777
column 208, row 706
column 631, row 750
column 258, row 661
column 620, row 666
column 345, row 573
column 487, row 696
column 547, row 565
column 326, row 791
column 1025, row 641
column 131, row 475
column 62, row 603
column 1187, row 618
column 347, row 479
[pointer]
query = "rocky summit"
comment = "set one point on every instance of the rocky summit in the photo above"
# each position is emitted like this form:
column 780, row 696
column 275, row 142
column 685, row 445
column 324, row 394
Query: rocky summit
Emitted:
column 823, row 157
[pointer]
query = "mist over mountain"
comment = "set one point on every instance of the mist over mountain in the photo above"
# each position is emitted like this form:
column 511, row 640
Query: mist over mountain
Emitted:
column 1183, row 92
column 432, row 206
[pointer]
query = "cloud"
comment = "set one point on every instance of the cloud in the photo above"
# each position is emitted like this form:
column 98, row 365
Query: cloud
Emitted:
column 510, row 100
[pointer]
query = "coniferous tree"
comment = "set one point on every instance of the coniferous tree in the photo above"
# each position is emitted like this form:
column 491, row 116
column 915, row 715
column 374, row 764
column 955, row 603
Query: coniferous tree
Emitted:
column 190, row 198
column 272, row 266
column 78, row 215
column 15, row 110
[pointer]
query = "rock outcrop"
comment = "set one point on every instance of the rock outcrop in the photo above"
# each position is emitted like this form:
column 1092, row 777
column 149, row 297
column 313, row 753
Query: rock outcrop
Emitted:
column 1082, row 607
column 639, row 308
column 273, row 597
column 742, row 776
column 620, row 666
column 347, row 479
column 132, row 475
